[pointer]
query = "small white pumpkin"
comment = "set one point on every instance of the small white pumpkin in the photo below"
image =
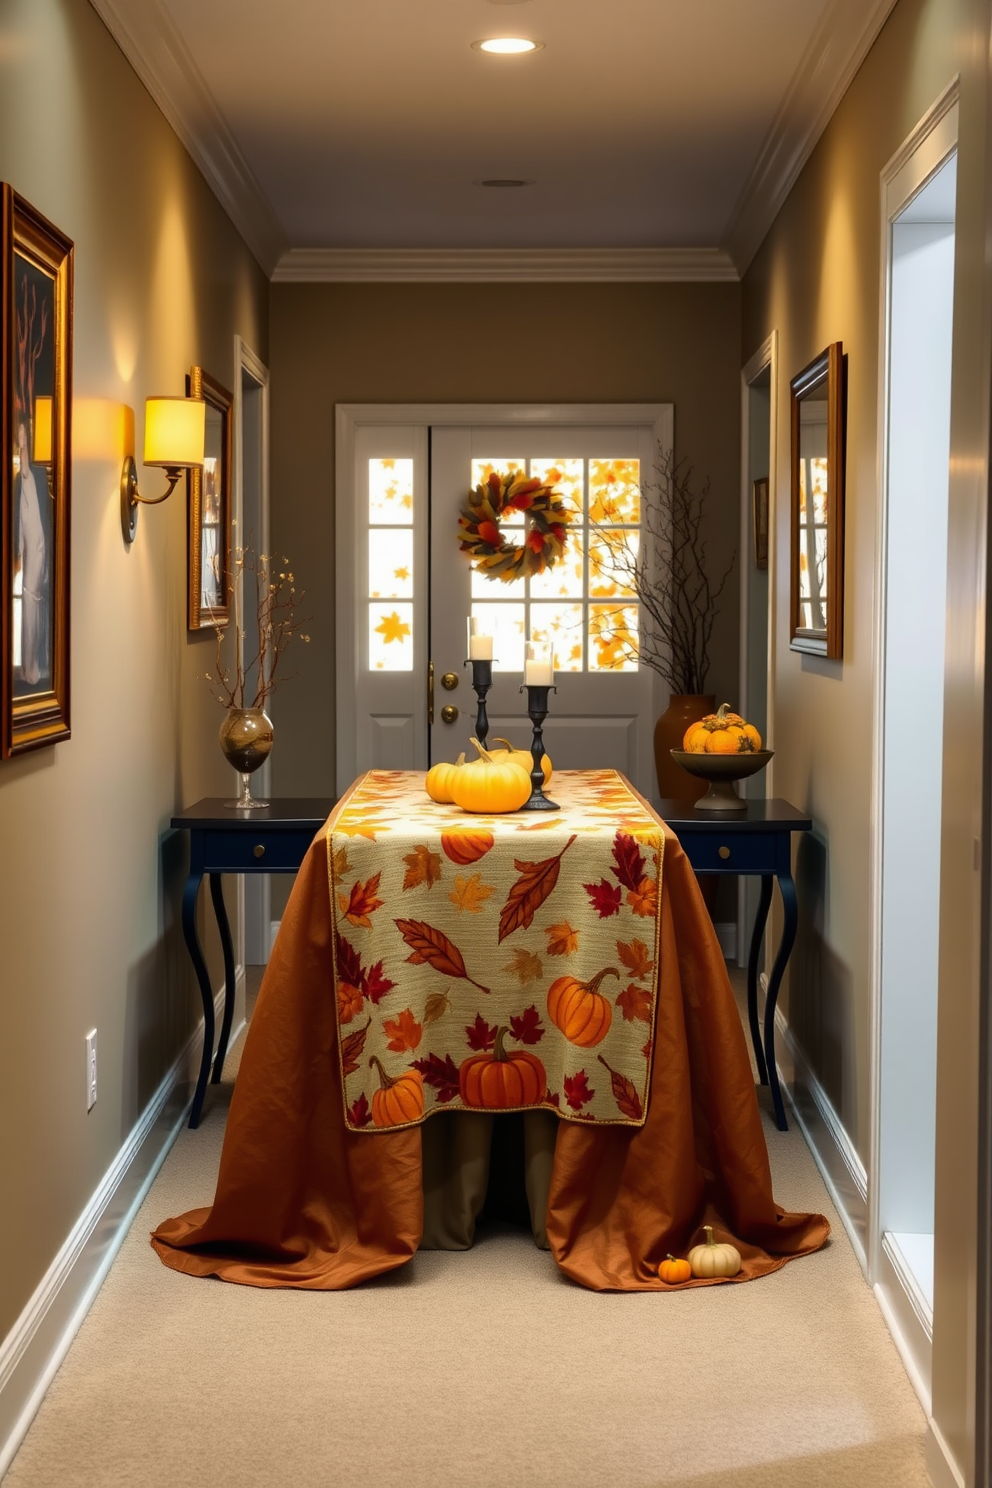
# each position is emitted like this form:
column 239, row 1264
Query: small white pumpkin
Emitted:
column 712, row 1259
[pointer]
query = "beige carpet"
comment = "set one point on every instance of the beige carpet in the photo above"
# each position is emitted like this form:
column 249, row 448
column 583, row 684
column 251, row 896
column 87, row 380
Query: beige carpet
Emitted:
column 476, row 1370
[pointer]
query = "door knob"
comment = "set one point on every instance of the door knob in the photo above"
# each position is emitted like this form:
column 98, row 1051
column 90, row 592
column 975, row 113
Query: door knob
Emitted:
column 449, row 713
column 449, row 681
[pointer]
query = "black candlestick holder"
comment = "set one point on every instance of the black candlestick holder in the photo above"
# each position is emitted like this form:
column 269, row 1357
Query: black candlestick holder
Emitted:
column 537, row 712
column 482, row 680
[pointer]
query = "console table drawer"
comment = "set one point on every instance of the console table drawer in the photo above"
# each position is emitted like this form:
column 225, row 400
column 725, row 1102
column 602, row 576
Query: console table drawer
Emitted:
column 261, row 851
column 713, row 852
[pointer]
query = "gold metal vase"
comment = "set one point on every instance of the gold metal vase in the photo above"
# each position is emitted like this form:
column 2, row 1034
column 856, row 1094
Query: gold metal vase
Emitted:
column 246, row 737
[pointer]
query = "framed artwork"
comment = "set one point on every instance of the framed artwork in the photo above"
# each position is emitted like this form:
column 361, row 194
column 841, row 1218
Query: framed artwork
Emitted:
column 818, row 457
column 209, row 533
column 759, row 503
column 35, row 403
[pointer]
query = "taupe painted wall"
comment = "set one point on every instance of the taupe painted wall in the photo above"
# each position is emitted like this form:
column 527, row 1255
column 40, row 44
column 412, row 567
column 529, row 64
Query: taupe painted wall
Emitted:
column 583, row 343
column 90, row 883
column 817, row 280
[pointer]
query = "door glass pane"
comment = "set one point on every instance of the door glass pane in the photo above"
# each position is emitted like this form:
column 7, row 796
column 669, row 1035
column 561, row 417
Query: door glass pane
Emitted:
column 561, row 624
column 612, row 562
column 615, row 491
column 391, row 563
column 613, row 638
column 390, row 492
column 568, row 476
column 390, row 637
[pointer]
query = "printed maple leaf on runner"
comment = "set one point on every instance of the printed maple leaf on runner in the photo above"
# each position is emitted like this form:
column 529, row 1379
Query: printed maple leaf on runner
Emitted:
column 536, row 882
column 642, row 891
column 644, row 899
column 352, row 974
column 342, row 866
column 635, row 956
column 350, row 1002
column 578, row 1091
column 359, row 1113
column 440, row 1074
column 624, row 1093
column 404, row 1032
column 525, row 966
column 480, row 1035
column 422, row 867
column 562, row 939
column 528, row 1028
column 362, row 902
column 431, row 947
column 605, row 898
column 470, row 893
column 635, row 1002
column 352, row 1049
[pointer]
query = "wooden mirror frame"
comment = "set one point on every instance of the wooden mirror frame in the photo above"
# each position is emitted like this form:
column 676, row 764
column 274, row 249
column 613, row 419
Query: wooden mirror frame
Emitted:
column 200, row 384
column 828, row 368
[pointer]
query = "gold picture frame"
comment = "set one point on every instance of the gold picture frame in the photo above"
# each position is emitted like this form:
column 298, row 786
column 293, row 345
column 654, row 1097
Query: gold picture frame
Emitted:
column 818, row 458
column 36, row 287
column 209, row 506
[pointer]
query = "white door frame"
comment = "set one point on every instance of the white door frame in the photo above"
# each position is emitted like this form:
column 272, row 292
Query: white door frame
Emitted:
column 766, row 356
column 919, row 157
column 253, row 892
column 349, row 417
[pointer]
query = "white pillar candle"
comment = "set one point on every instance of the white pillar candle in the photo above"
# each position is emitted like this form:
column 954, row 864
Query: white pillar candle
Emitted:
column 480, row 648
column 538, row 665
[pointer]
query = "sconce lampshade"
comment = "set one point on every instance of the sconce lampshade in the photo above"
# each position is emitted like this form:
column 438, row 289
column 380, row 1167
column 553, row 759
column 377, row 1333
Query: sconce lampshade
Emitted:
column 42, row 453
column 174, row 431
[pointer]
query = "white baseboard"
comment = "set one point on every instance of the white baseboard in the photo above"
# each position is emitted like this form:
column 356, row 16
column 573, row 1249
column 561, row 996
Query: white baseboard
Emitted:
column 39, row 1340
column 944, row 1471
column 840, row 1167
column 726, row 934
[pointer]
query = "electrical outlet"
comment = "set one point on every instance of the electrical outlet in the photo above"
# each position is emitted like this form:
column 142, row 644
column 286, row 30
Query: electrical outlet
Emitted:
column 91, row 1069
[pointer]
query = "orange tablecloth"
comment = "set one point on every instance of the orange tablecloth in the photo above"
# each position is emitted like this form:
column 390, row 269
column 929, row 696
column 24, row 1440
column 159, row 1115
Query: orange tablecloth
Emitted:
column 301, row 1201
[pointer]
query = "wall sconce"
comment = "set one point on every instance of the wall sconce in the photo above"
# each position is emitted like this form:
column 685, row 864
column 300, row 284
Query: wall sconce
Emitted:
column 174, row 433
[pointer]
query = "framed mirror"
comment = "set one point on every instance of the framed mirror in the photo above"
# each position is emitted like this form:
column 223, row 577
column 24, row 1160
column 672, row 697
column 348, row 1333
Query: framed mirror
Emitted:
column 818, row 453
column 209, row 532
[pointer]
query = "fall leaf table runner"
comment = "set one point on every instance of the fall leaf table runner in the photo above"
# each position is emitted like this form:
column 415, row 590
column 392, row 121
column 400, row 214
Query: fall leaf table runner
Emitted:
column 495, row 962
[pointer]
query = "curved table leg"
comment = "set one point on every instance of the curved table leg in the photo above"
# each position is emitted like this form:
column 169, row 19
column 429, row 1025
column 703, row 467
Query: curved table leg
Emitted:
column 760, row 920
column 203, row 978
column 217, row 898
column 787, row 886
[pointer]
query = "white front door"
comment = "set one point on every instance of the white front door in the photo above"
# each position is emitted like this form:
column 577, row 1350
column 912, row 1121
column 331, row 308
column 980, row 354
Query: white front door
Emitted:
column 405, row 590
column 601, row 713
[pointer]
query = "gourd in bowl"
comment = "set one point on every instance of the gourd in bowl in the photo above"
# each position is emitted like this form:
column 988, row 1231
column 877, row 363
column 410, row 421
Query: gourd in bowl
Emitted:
column 722, row 732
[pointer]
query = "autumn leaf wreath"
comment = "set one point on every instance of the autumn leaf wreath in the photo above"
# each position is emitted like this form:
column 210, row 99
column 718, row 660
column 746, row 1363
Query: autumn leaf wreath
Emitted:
column 547, row 526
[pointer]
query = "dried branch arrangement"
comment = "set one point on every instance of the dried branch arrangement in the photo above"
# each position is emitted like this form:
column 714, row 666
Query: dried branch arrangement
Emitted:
column 276, row 601
column 669, row 576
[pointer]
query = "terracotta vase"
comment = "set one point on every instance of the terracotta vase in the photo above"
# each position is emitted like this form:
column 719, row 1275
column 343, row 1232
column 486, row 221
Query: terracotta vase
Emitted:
column 674, row 783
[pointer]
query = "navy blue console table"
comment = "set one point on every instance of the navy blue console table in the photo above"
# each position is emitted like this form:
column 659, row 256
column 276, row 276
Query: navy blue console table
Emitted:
column 270, row 839
column 757, row 843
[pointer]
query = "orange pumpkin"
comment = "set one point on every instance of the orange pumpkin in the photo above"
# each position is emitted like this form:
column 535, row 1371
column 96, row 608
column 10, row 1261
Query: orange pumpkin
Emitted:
column 500, row 1081
column 438, row 781
column 674, row 1271
column 490, row 784
column 466, row 847
column 400, row 1098
column 579, row 1010
column 525, row 758
column 721, row 732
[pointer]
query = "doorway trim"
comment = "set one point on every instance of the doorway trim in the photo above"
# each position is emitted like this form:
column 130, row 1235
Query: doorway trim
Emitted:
column 917, row 160
column 254, row 890
column 350, row 417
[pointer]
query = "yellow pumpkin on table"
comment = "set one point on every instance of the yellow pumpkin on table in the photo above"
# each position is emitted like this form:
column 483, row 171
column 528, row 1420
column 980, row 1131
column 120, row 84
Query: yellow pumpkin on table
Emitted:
column 438, row 782
column 722, row 732
column 490, row 785
column 713, row 1259
column 525, row 758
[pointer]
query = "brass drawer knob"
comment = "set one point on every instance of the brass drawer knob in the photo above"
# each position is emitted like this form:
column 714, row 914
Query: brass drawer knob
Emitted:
column 725, row 852
column 259, row 850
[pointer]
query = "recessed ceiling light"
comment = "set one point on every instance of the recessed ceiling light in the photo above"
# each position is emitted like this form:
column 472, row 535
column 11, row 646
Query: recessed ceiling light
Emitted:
column 507, row 45
column 503, row 181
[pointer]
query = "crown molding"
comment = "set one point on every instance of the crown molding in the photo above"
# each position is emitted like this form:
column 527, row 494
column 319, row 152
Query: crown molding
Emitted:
column 838, row 47
column 147, row 36
column 503, row 266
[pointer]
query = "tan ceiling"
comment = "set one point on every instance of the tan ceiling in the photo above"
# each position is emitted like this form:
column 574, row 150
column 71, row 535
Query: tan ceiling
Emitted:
column 366, row 123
